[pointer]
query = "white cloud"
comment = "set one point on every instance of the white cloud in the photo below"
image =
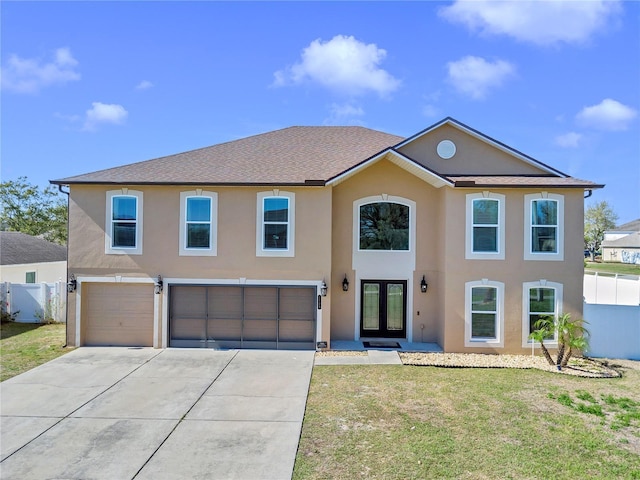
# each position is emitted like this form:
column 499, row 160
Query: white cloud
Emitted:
column 535, row 21
column 607, row 115
column 29, row 75
column 343, row 64
column 475, row 76
column 144, row 85
column 569, row 140
column 104, row 113
column 346, row 110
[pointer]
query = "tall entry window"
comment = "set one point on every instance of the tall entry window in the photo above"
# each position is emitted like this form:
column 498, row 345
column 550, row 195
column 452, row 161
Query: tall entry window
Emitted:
column 384, row 226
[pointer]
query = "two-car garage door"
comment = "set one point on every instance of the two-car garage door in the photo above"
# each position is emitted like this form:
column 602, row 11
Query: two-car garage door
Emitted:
column 282, row 317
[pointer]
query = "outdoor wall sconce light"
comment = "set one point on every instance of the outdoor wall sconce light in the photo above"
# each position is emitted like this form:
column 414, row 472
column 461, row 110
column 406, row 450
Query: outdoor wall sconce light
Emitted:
column 73, row 284
column 423, row 285
column 157, row 287
column 323, row 289
column 345, row 284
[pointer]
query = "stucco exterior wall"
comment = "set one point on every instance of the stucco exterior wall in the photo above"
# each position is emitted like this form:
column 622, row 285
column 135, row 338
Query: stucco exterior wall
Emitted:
column 236, row 224
column 386, row 178
column 473, row 157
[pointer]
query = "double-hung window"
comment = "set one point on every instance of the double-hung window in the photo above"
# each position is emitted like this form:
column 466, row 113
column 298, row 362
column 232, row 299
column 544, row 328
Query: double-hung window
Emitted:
column 485, row 226
column 124, row 222
column 544, row 227
column 198, row 226
column 539, row 299
column 484, row 320
column 275, row 230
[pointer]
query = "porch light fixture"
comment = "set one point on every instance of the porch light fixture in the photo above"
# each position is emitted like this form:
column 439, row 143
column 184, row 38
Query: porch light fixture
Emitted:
column 73, row 284
column 345, row 284
column 158, row 285
column 423, row 285
column 323, row 289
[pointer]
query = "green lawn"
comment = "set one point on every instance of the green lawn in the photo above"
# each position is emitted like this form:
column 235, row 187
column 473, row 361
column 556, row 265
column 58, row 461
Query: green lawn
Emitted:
column 621, row 268
column 407, row 422
column 24, row 346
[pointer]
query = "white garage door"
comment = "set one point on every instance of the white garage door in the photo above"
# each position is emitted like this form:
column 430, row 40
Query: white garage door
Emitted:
column 117, row 314
column 282, row 317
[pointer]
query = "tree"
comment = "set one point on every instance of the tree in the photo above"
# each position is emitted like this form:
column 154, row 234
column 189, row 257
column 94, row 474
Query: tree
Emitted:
column 598, row 218
column 28, row 209
column 571, row 335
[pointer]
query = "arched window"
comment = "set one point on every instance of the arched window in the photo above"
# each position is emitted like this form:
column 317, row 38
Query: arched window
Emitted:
column 384, row 226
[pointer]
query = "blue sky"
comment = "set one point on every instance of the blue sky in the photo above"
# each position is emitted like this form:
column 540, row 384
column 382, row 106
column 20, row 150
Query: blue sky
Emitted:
column 92, row 85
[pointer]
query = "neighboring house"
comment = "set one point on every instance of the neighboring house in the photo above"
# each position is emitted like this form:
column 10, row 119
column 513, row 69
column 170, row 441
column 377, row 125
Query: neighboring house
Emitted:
column 622, row 244
column 27, row 259
column 448, row 236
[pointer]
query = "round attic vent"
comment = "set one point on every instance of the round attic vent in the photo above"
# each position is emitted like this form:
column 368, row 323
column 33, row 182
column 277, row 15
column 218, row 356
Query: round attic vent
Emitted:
column 446, row 149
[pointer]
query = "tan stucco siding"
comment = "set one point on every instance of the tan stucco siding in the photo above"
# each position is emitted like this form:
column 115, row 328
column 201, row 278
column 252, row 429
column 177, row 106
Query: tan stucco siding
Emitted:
column 513, row 271
column 386, row 178
column 473, row 156
column 46, row 272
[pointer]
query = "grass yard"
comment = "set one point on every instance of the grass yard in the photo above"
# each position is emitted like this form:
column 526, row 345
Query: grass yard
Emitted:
column 24, row 346
column 620, row 268
column 409, row 422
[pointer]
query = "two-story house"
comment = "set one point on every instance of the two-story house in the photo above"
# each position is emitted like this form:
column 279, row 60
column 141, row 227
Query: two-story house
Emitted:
column 317, row 234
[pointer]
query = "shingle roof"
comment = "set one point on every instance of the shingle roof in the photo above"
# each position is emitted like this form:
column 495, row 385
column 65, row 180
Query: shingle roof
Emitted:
column 633, row 226
column 521, row 181
column 294, row 155
column 629, row 241
column 17, row 248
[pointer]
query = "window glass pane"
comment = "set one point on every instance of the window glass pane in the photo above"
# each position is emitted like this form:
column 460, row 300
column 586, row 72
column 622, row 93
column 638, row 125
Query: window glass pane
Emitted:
column 276, row 209
column 371, row 306
column 485, row 212
column 198, row 209
column 542, row 300
column 198, row 235
column 544, row 212
column 483, row 299
column 483, row 325
column 384, row 226
column 30, row 277
column 124, row 234
column 533, row 318
column 275, row 235
column 124, row 208
column 543, row 239
column 395, row 306
column 485, row 239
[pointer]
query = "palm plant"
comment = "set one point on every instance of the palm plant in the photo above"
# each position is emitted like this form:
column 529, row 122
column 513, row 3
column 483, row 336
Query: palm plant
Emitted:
column 544, row 329
column 570, row 334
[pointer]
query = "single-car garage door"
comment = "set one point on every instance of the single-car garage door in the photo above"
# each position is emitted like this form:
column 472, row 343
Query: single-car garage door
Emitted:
column 117, row 314
column 282, row 317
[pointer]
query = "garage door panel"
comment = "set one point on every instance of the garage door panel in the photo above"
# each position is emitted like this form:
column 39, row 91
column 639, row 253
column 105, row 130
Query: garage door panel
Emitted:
column 243, row 316
column 117, row 314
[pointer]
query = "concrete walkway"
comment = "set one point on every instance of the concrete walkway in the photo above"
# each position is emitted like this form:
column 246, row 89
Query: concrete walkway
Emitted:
column 372, row 357
column 119, row 413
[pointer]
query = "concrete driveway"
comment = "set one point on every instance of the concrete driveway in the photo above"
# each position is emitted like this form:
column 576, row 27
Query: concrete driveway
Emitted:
column 124, row 413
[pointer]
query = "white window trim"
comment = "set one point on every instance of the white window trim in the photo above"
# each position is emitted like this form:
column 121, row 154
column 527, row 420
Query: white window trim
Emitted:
column 469, row 253
column 108, row 229
column 212, row 251
column 291, row 231
column 526, row 342
column 497, row 342
column 528, row 254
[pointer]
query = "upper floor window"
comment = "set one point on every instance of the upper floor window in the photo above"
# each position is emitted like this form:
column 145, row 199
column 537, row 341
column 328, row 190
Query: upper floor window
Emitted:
column 276, row 222
column 485, row 226
column 544, row 217
column 540, row 299
column 30, row 277
column 124, row 222
column 484, row 319
column 198, row 229
column 384, row 226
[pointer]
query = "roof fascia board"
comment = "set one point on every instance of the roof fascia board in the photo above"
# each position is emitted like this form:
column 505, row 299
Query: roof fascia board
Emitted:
column 399, row 159
column 307, row 183
column 484, row 138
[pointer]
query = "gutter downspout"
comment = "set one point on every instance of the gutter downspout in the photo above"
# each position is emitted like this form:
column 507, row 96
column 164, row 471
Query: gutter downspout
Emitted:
column 589, row 193
column 66, row 320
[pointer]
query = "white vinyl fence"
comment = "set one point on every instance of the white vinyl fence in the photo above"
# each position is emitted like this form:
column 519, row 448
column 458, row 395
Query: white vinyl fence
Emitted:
column 612, row 308
column 35, row 302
